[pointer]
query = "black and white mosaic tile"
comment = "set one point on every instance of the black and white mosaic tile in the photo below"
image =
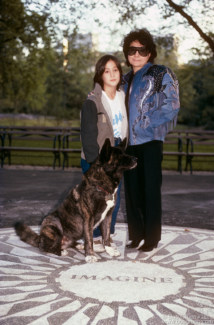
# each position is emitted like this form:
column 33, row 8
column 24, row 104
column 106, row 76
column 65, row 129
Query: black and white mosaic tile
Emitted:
column 173, row 285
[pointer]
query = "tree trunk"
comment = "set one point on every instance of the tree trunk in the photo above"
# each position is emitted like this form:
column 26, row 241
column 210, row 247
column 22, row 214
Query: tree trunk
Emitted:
column 180, row 10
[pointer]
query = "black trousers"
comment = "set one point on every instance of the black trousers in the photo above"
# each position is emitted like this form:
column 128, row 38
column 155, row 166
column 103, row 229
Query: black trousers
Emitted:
column 143, row 192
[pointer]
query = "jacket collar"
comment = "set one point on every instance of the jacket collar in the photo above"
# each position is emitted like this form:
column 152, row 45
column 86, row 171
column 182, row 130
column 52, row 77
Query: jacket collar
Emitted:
column 98, row 89
column 96, row 92
column 143, row 70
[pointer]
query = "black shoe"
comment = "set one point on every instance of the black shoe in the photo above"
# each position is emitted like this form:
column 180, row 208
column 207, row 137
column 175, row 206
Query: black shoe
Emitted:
column 147, row 248
column 133, row 244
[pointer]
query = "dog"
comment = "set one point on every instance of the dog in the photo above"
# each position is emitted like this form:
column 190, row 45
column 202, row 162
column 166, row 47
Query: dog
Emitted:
column 88, row 205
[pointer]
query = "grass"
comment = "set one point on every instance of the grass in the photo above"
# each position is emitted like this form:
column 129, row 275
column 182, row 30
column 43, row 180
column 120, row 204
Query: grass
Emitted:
column 26, row 120
column 46, row 159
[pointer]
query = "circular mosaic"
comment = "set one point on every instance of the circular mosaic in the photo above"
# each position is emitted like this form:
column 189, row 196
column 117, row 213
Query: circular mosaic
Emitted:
column 173, row 284
column 121, row 281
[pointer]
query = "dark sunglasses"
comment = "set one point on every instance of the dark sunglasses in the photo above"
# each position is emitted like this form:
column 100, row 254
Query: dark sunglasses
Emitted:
column 141, row 50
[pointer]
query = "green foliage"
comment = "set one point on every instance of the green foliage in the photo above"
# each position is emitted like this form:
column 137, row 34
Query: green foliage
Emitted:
column 197, row 94
column 67, row 87
column 24, row 51
column 166, row 51
column 34, row 78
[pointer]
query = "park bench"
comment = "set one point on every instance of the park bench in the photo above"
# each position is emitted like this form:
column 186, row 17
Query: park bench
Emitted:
column 69, row 137
column 178, row 144
column 196, row 141
column 175, row 138
column 191, row 143
column 32, row 135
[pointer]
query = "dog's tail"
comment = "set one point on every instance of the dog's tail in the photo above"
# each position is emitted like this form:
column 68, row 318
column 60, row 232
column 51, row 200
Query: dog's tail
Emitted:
column 26, row 234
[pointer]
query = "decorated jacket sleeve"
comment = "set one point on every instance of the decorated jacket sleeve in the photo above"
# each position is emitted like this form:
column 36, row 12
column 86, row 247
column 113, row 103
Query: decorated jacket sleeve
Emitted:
column 89, row 130
column 168, row 102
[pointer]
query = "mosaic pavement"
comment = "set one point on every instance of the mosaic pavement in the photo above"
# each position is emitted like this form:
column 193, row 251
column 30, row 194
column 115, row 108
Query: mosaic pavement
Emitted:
column 173, row 285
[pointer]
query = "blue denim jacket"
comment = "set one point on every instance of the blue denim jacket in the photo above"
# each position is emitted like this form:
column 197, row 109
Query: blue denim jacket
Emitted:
column 153, row 103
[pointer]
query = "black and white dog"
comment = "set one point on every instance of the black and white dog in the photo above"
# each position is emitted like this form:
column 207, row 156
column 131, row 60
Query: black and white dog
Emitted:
column 86, row 206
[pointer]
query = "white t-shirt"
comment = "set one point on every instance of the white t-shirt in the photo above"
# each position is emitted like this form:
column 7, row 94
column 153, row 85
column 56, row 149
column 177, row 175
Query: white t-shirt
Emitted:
column 116, row 114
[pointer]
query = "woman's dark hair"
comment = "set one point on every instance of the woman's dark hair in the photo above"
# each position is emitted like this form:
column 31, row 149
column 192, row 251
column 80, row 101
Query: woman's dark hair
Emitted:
column 145, row 38
column 100, row 68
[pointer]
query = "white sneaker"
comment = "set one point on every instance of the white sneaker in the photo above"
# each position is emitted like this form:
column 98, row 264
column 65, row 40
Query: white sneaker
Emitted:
column 80, row 245
column 112, row 243
column 98, row 246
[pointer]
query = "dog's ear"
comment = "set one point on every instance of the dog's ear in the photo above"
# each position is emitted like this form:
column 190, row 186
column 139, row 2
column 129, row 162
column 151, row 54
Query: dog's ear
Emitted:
column 105, row 151
column 123, row 144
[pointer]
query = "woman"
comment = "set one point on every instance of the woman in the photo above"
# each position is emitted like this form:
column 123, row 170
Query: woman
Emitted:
column 152, row 98
column 103, row 116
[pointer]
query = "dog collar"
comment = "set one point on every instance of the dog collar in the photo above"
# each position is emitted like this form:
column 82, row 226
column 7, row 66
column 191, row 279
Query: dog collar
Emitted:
column 109, row 196
column 99, row 189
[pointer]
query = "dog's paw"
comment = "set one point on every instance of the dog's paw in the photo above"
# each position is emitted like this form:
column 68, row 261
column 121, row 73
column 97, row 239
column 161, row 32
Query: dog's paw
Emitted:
column 112, row 251
column 64, row 252
column 80, row 247
column 91, row 259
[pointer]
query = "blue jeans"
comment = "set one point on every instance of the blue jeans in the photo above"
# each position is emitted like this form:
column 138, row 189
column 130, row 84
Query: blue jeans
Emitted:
column 97, row 232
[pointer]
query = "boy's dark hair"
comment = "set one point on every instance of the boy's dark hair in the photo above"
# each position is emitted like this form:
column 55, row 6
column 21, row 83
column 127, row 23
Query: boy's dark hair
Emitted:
column 145, row 38
column 100, row 68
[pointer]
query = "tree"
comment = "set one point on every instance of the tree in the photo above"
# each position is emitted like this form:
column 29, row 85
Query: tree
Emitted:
column 32, row 77
column 69, row 84
column 191, row 22
column 129, row 9
column 25, row 45
column 196, row 94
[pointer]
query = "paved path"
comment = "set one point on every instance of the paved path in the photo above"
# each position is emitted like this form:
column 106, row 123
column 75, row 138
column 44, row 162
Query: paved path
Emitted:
column 188, row 200
column 171, row 285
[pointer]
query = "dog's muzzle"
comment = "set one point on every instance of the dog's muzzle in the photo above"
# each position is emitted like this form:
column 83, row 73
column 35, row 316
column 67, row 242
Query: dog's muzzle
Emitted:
column 134, row 162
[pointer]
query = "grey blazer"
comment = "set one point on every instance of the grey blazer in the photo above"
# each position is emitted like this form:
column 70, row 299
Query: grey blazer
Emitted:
column 97, row 123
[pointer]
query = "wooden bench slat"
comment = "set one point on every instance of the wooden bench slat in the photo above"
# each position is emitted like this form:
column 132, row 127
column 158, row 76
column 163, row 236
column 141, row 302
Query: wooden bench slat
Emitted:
column 40, row 149
column 28, row 148
column 208, row 154
column 175, row 153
